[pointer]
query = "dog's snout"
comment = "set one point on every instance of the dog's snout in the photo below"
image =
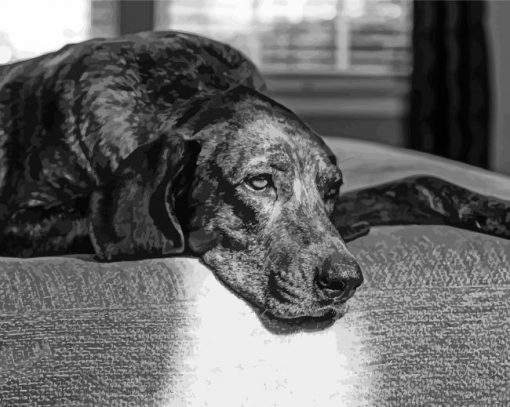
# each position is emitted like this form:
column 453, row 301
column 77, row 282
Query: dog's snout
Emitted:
column 338, row 278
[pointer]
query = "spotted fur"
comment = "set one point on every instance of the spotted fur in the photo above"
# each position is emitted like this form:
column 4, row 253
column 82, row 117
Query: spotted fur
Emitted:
column 142, row 146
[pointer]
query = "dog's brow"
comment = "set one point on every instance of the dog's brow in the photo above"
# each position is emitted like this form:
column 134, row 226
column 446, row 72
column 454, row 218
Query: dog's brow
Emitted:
column 278, row 162
column 280, row 165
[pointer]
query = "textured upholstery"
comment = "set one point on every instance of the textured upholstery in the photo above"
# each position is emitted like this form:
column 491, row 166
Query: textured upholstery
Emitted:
column 429, row 326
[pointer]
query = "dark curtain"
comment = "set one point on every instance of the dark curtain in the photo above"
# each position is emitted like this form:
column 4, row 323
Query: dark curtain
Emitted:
column 135, row 16
column 450, row 96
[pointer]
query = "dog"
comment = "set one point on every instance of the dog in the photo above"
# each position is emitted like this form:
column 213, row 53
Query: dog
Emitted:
column 164, row 143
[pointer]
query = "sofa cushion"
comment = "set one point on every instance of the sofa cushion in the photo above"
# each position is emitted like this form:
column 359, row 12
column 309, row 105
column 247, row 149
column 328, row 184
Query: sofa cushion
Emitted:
column 429, row 326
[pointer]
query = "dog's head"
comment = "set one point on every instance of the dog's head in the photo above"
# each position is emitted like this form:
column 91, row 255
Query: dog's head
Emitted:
column 255, row 202
column 260, row 208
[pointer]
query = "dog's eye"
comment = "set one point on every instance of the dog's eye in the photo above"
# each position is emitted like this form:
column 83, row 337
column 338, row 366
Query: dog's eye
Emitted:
column 259, row 182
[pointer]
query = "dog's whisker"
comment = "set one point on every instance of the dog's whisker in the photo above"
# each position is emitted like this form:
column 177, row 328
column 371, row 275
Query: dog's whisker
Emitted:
column 344, row 160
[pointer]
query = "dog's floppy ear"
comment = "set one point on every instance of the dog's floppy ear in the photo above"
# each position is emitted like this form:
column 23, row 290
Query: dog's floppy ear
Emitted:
column 133, row 216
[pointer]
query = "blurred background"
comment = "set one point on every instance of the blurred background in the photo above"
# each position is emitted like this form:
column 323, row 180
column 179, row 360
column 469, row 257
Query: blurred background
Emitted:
column 425, row 74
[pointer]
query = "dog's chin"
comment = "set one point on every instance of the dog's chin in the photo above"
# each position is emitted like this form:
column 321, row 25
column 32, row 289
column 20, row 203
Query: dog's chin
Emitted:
column 288, row 324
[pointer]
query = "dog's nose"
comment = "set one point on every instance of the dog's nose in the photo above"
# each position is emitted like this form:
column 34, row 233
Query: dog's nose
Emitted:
column 338, row 278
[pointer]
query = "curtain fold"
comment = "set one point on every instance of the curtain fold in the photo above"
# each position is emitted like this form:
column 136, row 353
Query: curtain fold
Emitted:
column 135, row 16
column 450, row 85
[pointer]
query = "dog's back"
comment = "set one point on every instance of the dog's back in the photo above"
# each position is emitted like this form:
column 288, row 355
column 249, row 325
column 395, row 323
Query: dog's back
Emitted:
column 51, row 96
column 68, row 118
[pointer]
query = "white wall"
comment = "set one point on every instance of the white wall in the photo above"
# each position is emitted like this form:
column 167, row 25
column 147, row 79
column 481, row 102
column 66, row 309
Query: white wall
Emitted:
column 499, row 37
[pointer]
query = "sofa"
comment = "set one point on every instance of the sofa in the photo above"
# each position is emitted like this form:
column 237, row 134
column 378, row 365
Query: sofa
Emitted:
column 429, row 326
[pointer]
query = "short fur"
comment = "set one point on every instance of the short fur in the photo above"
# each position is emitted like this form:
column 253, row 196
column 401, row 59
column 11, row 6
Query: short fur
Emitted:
column 147, row 145
column 140, row 147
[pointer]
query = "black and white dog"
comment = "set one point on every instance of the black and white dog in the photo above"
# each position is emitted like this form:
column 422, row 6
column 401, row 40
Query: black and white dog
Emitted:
column 163, row 144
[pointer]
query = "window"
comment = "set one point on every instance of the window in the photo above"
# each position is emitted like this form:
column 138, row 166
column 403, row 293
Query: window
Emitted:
column 316, row 36
column 32, row 27
column 368, row 37
column 341, row 65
